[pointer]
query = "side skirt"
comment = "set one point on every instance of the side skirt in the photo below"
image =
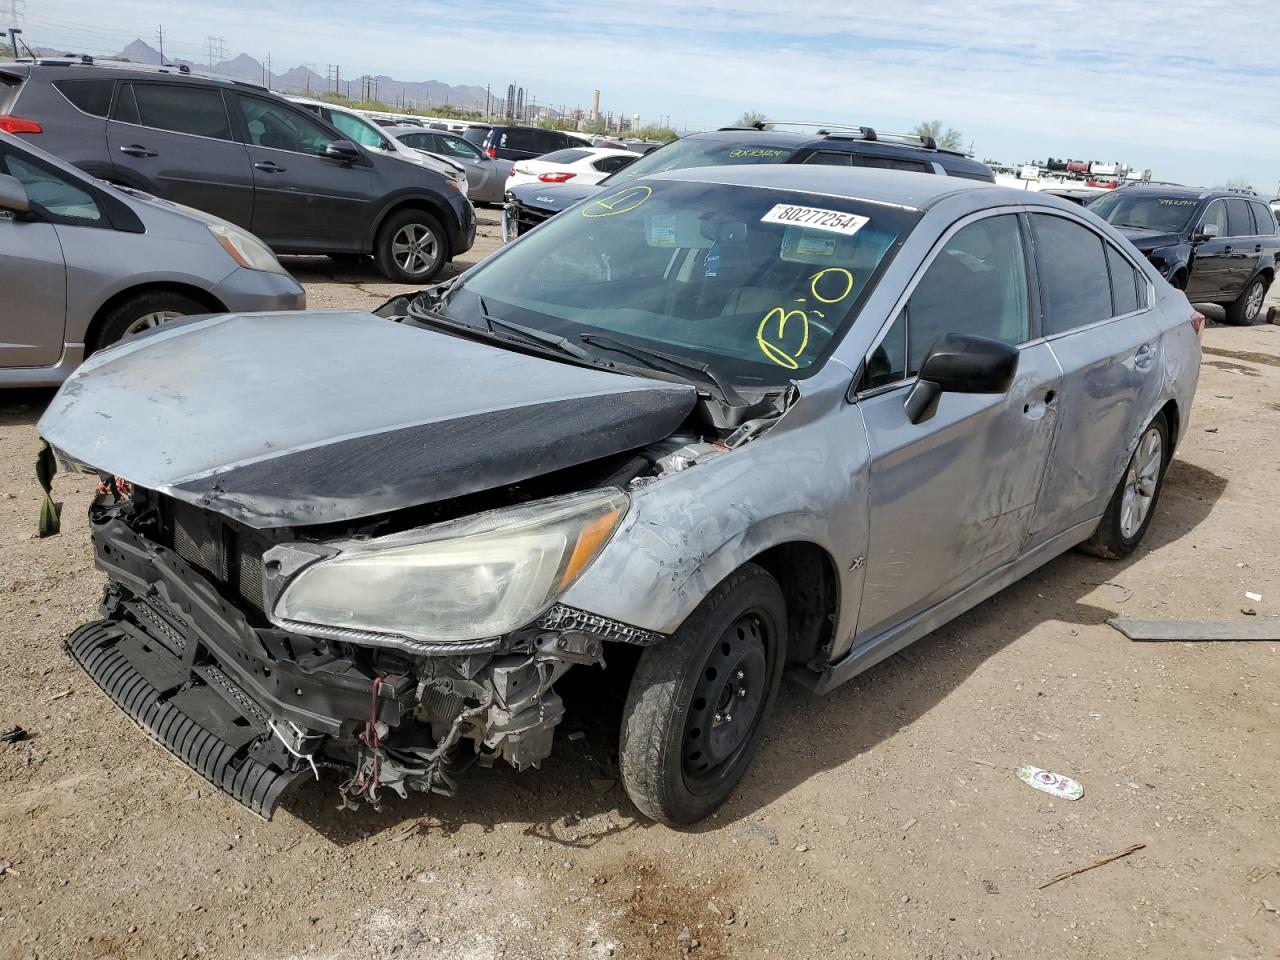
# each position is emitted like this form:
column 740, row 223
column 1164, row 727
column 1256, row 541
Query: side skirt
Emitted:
column 870, row 652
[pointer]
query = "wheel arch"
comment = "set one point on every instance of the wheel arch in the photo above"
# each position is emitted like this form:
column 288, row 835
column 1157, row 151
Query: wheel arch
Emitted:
column 427, row 204
column 123, row 296
column 811, row 585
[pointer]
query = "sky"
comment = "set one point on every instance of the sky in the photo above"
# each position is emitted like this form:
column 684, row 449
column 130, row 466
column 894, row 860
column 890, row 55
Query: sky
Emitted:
column 1190, row 90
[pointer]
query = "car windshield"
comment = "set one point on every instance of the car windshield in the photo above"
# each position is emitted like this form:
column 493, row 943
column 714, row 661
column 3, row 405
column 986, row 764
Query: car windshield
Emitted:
column 1144, row 211
column 757, row 283
column 698, row 152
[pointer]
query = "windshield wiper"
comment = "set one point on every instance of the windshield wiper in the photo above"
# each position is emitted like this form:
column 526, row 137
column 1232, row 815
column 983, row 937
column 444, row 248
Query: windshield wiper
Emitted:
column 534, row 335
column 658, row 360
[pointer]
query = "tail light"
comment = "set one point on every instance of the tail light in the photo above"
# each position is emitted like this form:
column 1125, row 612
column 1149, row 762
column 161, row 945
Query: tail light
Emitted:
column 559, row 177
column 491, row 153
column 12, row 124
column 1197, row 323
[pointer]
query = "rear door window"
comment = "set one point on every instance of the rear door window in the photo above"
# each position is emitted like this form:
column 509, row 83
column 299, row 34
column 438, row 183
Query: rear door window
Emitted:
column 892, row 163
column 88, row 96
column 1073, row 274
column 1124, row 283
column 1238, row 219
column 196, row 111
column 514, row 138
column 1264, row 217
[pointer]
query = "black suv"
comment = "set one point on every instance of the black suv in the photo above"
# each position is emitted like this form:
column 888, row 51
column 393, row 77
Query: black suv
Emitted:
column 530, row 204
column 1220, row 246
column 517, row 143
column 242, row 153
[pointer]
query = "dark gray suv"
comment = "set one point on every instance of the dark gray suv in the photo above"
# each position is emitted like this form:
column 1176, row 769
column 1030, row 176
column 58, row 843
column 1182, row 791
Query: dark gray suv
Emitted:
column 241, row 153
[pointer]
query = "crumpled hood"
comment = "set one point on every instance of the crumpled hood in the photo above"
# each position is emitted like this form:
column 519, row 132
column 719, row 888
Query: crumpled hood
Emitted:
column 306, row 417
column 1149, row 239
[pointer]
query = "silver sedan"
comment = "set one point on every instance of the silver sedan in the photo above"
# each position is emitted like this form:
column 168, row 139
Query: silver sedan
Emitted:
column 84, row 263
column 707, row 426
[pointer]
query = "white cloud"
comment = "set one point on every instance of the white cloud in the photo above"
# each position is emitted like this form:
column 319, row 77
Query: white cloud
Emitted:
column 1189, row 94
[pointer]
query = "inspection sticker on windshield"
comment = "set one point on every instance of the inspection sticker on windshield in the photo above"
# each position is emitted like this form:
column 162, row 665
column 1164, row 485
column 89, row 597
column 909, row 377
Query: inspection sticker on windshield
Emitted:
column 815, row 218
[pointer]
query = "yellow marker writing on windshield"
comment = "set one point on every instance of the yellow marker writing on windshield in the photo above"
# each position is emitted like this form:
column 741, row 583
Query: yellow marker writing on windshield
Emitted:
column 772, row 338
column 839, row 278
column 624, row 201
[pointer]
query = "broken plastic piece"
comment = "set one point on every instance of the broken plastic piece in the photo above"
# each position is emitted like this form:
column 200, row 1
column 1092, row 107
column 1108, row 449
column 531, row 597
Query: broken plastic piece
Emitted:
column 13, row 736
column 1054, row 784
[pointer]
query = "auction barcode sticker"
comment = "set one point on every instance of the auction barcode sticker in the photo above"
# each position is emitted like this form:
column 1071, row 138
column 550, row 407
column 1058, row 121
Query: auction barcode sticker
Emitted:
column 815, row 218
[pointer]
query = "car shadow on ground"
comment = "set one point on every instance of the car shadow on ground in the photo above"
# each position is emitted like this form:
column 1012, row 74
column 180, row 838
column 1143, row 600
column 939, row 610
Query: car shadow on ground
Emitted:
column 23, row 407
column 575, row 800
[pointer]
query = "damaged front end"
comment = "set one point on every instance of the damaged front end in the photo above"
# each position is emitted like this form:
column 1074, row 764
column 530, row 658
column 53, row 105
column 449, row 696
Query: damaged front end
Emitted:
column 193, row 646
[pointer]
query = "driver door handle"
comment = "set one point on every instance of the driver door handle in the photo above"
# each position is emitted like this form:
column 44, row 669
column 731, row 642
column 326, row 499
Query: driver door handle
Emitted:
column 269, row 166
column 137, row 150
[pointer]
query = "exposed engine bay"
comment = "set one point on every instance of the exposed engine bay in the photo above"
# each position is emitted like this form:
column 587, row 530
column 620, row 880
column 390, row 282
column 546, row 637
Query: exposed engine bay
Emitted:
column 187, row 647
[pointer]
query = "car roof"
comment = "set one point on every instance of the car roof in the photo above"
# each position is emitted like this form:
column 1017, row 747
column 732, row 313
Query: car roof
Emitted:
column 916, row 191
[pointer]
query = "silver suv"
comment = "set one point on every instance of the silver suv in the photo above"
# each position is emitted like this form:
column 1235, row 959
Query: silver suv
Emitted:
column 83, row 264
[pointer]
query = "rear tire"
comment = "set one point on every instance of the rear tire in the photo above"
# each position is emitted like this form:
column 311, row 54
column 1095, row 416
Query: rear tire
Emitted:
column 411, row 247
column 1247, row 310
column 698, row 700
column 142, row 312
column 1134, row 502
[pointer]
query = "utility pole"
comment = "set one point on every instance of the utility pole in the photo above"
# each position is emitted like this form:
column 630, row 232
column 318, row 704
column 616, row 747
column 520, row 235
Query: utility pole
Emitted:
column 15, row 10
column 160, row 38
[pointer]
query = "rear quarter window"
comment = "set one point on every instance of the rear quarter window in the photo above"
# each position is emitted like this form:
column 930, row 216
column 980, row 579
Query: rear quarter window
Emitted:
column 565, row 156
column 88, row 96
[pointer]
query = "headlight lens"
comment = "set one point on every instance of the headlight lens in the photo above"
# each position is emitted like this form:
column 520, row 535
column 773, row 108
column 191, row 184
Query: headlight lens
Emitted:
column 246, row 249
column 482, row 576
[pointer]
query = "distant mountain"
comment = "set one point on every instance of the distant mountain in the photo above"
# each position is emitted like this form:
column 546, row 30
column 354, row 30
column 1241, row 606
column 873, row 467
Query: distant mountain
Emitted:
column 419, row 94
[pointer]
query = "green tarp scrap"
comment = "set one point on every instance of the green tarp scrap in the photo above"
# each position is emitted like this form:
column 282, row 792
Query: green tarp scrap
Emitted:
column 50, row 512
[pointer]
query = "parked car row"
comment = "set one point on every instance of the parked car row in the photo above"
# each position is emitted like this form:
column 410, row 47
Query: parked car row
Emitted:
column 243, row 154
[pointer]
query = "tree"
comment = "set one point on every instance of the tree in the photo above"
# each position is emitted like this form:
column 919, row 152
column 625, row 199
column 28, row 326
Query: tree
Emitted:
column 948, row 139
column 750, row 118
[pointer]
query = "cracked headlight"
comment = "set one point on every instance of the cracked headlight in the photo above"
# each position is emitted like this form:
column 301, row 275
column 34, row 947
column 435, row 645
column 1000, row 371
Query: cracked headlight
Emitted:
column 481, row 576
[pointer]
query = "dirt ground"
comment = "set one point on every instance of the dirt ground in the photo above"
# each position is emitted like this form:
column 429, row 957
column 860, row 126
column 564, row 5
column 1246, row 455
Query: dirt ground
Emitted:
column 881, row 821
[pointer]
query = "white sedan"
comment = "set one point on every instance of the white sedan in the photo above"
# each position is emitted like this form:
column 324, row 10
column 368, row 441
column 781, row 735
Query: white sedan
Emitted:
column 579, row 164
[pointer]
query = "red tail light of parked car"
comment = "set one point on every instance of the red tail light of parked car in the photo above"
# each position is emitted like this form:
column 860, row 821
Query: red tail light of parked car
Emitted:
column 12, row 124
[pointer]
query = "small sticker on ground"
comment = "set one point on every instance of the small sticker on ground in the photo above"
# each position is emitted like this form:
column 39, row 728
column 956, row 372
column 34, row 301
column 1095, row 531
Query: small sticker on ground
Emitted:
column 816, row 218
column 1054, row 784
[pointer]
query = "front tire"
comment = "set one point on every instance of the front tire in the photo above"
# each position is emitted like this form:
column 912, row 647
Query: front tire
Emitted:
column 411, row 247
column 1247, row 310
column 698, row 700
column 142, row 312
column 1134, row 502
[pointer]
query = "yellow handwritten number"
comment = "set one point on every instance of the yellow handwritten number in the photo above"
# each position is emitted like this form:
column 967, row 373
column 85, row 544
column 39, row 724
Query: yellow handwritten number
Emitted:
column 841, row 275
column 765, row 336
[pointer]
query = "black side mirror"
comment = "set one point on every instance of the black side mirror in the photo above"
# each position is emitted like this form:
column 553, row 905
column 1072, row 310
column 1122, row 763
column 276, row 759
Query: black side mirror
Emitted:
column 343, row 151
column 13, row 195
column 960, row 363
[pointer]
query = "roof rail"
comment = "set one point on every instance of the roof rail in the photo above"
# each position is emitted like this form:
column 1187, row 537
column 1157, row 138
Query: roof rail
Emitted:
column 844, row 131
column 77, row 59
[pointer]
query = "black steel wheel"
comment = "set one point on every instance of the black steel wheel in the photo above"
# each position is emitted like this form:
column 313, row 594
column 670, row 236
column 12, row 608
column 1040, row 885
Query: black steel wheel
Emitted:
column 698, row 701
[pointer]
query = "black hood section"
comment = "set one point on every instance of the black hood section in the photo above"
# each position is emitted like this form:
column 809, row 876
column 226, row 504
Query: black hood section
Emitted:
column 433, row 462
column 556, row 196
column 1146, row 240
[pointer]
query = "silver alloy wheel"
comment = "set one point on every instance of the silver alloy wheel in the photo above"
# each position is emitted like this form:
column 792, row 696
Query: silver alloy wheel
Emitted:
column 149, row 320
column 1257, row 293
column 1140, row 483
column 414, row 248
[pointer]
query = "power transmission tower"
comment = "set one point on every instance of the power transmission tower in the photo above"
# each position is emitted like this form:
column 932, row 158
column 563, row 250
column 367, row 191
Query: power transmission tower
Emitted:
column 215, row 50
column 15, row 10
